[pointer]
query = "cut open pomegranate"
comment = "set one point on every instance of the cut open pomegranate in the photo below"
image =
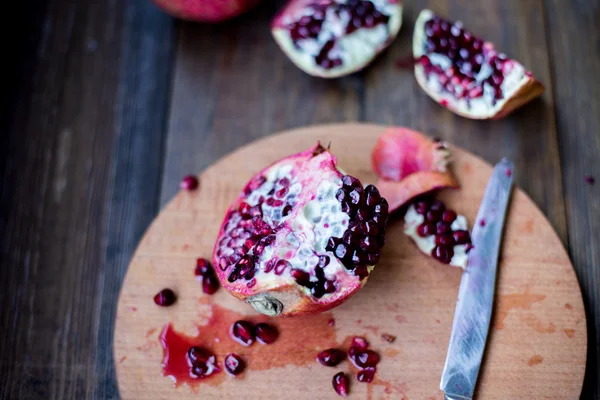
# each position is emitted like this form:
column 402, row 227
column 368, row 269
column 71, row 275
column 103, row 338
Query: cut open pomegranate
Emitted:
column 439, row 232
column 467, row 74
column 410, row 164
column 330, row 38
column 302, row 237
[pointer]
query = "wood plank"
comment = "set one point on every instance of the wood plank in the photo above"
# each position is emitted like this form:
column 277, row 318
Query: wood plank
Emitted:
column 573, row 38
column 83, row 159
column 233, row 84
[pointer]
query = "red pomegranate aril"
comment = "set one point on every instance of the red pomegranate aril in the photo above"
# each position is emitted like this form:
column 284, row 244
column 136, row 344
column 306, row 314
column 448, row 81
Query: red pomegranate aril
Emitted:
column 210, row 283
column 281, row 266
column 422, row 207
column 189, row 182
column 340, row 384
column 329, row 287
column 165, row 298
column 367, row 358
column 445, row 239
column 243, row 332
column 331, row 357
column 302, row 277
column 265, row 333
column 461, row 237
column 366, row 375
column 234, row 364
column 433, row 215
column 369, row 244
column 199, row 370
column 369, row 228
column 199, row 355
column 202, row 267
column 443, row 254
column 442, row 227
column 426, row 229
column 449, row 216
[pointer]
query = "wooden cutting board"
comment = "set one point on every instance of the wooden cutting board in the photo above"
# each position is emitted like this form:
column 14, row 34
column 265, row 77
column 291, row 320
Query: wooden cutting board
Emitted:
column 537, row 342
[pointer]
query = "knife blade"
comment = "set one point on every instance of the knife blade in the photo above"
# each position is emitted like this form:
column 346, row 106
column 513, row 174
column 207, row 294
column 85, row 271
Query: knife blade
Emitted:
column 476, row 293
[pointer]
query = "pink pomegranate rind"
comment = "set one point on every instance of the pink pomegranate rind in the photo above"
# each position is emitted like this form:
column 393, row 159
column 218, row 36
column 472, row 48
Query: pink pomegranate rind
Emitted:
column 330, row 39
column 302, row 237
column 410, row 164
column 466, row 74
column 206, row 10
column 400, row 152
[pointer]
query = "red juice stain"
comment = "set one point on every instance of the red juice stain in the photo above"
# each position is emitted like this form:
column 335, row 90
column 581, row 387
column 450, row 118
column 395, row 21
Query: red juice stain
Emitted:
column 299, row 340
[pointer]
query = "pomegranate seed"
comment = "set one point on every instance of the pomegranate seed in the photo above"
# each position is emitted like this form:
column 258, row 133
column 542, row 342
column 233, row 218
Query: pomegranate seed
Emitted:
column 281, row 266
column 329, row 287
column 461, row 237
column 323, row 261
column 210, row 283
column 340, row 384
column 189, row 182
column 366, row 375
column 302, row 277
column 234, row 364
column 202, row 267
column 433, row 215
column 199, row 355
column 331, row 322
column 265, row 333
column 422, row 207
column 367, row 358
column 426, row 229
column 445, row 239
column 281, row 192
column 361, row 271
column 165, row 298
column 443, row 254
column 369, row 228
column 437, row 206
column 243, row 332
column 442, row 227
column 331, row 357
column 448, row 216
column 199, row 370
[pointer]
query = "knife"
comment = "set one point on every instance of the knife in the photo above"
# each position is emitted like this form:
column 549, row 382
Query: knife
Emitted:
column 476, row 293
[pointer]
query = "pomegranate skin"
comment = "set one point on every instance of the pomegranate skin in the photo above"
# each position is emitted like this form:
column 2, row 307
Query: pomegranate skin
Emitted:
column 292, row 243
column 211, row 11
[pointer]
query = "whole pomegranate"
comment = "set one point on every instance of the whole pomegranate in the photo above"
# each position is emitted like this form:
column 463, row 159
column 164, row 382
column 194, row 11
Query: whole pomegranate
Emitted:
column 302, row 237
column 410, row 164
column 465, row 73
column 332, row 38
column 206, row 10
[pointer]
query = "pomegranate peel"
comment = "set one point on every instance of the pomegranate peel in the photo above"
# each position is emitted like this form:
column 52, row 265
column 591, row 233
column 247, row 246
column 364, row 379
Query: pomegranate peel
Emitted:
column 417, row 184
column 329, row 39
column 466, row 74
column 400, row 152
column 302, row 237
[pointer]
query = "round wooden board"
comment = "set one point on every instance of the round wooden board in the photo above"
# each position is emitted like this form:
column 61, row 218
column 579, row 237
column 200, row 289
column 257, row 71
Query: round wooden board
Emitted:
column 537, row 342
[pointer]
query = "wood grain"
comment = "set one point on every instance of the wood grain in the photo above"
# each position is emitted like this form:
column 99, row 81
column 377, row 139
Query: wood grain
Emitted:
column 574, row 35
column 83, row 151
column 538, row 338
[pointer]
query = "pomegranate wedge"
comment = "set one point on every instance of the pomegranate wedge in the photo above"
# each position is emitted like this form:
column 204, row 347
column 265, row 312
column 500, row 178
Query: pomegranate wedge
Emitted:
column 302, row 237
column 466, row 74
column 330, row 39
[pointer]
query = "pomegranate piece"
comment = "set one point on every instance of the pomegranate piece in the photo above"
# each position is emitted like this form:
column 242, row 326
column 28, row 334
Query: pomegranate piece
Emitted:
column 340, row 384
column 202, row 362
column 210, row 283
column 439, row 232
column 206, row 10
column 302, row 237
column 265, row 333
column 400, row 152
column 165, row 298
column 189, row 182
column 366, row 375
column 409, row 165
column 331, row 357
column 202, row 267
column 234, row 364
column 465, row 73
column 329, row 39
column 243, row 332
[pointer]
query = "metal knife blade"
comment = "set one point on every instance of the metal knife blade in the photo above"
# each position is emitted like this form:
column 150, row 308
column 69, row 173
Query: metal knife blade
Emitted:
column 476, row 293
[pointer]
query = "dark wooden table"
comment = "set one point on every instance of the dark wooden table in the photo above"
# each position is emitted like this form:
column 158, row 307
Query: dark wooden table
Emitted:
column 107, row 104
